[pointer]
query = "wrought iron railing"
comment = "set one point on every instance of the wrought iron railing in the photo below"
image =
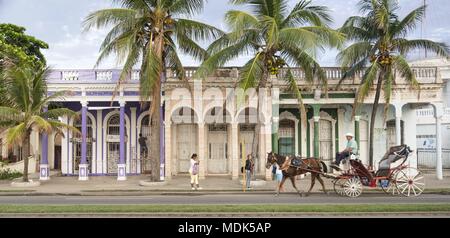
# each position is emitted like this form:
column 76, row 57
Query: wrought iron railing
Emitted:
column 426, row 158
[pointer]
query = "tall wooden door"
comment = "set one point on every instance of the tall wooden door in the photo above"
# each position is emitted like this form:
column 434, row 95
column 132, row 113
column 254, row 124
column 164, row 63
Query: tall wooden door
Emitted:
column 186, row 143
column 217, row 149
column 286, row 140
column 326, row 140
column 246, row 136
column 363, row 146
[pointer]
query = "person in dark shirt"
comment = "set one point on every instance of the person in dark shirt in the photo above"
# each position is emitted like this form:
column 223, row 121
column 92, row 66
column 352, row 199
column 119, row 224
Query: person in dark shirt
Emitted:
column 248, row 170
column 143, row 143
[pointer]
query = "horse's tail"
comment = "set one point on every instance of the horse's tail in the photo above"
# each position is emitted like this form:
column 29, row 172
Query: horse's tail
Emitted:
column 324, row 167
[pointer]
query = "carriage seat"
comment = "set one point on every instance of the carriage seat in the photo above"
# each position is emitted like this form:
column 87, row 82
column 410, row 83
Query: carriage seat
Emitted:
column 393, row 155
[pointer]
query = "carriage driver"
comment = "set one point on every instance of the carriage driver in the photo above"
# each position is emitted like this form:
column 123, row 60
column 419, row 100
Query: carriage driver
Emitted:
column 351, row 148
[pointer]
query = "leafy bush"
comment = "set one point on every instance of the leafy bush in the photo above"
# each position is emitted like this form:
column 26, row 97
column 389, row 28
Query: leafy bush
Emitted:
column 8, row 174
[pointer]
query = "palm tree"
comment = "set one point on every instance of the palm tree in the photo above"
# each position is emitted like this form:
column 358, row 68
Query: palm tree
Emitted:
column 149, row 32
column 379, row 49
column 275, row 37
column 24, row 107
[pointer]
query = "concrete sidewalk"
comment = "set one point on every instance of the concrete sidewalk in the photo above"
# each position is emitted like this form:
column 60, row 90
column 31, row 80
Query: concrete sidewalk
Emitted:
column 108, row 185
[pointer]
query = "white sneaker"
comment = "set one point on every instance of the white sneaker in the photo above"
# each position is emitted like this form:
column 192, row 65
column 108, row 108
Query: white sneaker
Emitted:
column 199, row 188
column 193, row 188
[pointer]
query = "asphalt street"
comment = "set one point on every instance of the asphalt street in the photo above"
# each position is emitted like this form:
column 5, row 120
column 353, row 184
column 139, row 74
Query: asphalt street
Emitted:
column 225, row 199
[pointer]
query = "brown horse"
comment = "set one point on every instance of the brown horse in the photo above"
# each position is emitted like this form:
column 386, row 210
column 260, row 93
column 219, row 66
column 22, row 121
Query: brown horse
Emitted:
column 312, row 165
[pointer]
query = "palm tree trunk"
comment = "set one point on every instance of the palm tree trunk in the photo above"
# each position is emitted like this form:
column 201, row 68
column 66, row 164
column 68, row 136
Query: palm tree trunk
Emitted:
column 155, row 124
column 25, row 161
column 256, row 134
column 373, row 116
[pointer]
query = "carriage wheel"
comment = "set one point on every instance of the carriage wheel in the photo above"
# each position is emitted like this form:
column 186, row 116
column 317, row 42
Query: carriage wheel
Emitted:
column 410, row 182
column 338, row 186
column 352, row 187
column 389, row 186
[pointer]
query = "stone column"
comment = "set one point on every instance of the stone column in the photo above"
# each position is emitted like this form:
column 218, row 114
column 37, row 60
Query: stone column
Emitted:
column 438, row 113
column 398, row 126
column 121, row 167
column 162, row 148
column 132, row 164
column 64, row 147
column 268, row 144
column 296, row 138
column 44, row 171
column 316, row 108
column 275, row 118
column 357, row 135
column 99, row 144
column 234, row 151
column 83, row 169
column 202, row 149
column 168, row 149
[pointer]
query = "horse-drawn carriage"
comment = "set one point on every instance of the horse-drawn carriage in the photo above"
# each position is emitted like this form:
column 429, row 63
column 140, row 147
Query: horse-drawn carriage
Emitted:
column 393, row 176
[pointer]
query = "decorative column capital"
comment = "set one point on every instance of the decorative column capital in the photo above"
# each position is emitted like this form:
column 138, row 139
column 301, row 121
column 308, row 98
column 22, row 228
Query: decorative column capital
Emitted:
column 84, row 103
column 122, row 103
column 316, row 118
column 357, row 118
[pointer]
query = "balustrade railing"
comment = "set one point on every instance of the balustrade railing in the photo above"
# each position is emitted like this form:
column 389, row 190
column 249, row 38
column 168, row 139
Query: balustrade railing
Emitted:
column 333, row 74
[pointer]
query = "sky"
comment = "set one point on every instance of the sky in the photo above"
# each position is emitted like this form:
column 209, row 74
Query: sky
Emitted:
column 58, row 22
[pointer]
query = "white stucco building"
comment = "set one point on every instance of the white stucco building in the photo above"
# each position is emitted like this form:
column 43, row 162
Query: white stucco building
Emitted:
column 209, row 118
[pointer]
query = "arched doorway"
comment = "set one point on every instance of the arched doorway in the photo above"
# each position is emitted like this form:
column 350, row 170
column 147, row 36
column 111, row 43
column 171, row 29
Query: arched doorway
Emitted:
column 113, row 143
column 76, row 145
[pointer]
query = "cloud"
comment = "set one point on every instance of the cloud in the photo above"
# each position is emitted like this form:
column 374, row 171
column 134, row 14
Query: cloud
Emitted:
column 59, row 24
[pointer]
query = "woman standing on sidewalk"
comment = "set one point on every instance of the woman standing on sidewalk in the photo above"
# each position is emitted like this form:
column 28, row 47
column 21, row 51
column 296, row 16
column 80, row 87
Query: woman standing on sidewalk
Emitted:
column 193, row 171
column 278, row 176
column 249, row 171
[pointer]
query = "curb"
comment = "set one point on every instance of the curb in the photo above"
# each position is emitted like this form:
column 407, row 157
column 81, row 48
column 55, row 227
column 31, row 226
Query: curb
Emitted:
column 227, row 214
column 180, row 193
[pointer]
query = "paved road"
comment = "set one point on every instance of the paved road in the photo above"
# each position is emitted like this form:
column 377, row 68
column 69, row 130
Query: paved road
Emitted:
column 225, row 199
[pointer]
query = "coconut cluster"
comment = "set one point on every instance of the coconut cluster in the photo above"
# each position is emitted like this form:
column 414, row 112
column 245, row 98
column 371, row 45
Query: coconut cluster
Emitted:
column 274, row 64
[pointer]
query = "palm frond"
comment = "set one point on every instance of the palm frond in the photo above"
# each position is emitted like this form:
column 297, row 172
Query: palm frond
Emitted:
column 409, row 23
column 251, row 72
column 240, row 20
column 197, row 31
column 106, row 17
column 16, row 134
column 406, row 46
column 57, row 112
column 303, row 14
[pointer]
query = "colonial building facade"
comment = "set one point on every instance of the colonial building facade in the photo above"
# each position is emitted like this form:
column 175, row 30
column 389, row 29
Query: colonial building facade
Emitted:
column 216, row 120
